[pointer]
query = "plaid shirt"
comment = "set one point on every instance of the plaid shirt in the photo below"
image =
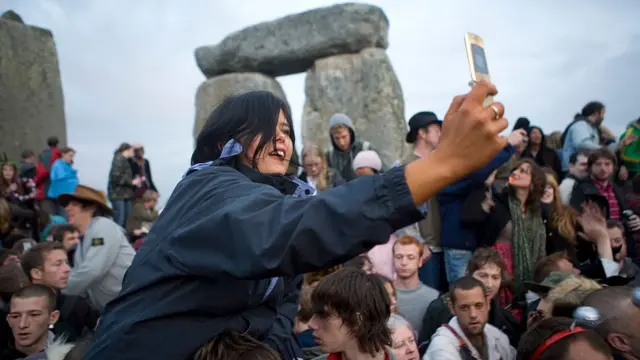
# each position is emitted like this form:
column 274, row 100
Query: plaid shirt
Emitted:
column 606, row 189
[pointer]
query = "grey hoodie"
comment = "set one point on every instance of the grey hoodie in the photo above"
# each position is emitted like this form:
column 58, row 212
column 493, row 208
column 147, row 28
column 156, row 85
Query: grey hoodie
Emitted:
column 342, row 161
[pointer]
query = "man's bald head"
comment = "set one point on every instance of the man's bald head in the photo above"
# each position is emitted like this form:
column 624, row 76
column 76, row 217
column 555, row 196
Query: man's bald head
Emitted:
column 615, row 307
column 620, row 326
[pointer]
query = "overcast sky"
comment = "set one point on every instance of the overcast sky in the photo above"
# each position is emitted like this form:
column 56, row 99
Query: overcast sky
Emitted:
column 129, row 74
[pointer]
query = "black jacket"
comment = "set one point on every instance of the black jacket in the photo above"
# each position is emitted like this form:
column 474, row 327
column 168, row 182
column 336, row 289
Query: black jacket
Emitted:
column 137, row 171
column 227, row 251
column 586, row 191
column 77, row 317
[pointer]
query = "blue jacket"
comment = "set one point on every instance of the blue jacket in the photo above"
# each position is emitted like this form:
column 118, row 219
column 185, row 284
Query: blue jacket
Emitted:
column 63, row 178
column 227, row 253
column 452, row 234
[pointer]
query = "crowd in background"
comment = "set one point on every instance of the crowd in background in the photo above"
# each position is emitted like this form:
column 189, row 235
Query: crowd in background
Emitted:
column 498, row 268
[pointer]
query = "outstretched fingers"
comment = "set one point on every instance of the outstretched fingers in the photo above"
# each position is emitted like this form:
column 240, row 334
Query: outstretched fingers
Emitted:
column 455, row 105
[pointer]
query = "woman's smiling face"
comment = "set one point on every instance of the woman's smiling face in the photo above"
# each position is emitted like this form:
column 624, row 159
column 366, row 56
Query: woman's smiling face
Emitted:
column 272, row 160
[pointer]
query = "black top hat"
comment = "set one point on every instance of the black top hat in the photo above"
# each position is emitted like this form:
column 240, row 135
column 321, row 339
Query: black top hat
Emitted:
column 419, row 121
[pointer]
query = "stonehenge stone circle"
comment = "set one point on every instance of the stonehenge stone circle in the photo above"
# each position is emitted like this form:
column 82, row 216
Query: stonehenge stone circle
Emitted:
column 342, row 50
column 31, row 100
column 291, row 44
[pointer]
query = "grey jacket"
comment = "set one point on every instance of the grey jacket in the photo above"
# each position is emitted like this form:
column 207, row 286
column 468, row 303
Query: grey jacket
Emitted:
column 102, row 258
column 342, row 161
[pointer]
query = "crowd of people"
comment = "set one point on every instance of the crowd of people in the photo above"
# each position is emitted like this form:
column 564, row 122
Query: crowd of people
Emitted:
column 474, row 246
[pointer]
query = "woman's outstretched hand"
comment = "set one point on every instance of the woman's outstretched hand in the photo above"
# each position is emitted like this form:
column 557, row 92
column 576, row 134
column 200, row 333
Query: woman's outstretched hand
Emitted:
column 470, row 132
column 470, row 139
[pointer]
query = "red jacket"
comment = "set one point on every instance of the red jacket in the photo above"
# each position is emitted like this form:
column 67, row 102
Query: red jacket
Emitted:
column 42, row 171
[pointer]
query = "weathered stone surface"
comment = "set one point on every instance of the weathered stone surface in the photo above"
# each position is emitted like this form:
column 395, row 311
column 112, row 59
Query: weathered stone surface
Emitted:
column 31, row 100
column 211, row 92
column 13, row 16
column 291, row 44
column 364, row 87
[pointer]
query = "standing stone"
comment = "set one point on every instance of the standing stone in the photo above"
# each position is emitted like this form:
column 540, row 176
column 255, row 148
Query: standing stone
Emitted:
column 291, row 44
column 364, row 87
column 213, row 91
column 31, row 100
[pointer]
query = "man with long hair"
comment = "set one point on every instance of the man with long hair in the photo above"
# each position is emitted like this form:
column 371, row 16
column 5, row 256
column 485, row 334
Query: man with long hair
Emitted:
column 351, row 309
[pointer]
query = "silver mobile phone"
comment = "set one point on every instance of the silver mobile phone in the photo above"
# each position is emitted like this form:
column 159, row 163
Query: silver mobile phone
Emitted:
column 477, row 61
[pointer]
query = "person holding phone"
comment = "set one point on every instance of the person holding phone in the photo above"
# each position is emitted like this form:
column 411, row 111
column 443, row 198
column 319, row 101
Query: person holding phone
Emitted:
column 237, row 233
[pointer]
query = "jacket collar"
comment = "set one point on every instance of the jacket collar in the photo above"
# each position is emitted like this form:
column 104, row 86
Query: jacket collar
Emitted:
column 287, row 185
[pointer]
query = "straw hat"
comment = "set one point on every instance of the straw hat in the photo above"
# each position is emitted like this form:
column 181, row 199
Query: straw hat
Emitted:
column 86, row 194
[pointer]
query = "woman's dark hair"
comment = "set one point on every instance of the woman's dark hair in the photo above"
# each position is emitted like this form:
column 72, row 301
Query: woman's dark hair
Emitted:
column 546, row 328
column 232, row 345
column 592, row 108
column 538, row 184
column 361, row 302
column 4, row 184
column 124, row 146
column 242, row 118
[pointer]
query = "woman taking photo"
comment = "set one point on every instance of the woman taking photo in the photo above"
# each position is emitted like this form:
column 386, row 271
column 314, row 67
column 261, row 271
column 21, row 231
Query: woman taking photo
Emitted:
column 514, row 225
column 228, row 248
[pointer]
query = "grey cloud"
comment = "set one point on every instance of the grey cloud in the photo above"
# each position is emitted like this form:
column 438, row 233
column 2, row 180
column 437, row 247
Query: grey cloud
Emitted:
column 129, row 73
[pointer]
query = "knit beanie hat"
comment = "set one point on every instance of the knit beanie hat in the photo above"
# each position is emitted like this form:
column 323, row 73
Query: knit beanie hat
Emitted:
column 367, row 158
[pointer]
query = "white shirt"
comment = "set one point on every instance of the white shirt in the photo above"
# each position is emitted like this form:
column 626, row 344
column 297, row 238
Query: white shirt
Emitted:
column 445, row 345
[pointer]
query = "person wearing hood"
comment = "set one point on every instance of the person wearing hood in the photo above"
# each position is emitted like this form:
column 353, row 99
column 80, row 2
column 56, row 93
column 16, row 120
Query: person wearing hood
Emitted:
column 237, row 234
column 538, row 151
column 344, row 146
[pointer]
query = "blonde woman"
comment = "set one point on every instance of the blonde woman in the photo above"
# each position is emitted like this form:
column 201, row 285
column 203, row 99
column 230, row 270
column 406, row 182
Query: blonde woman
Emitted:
column 316, row 172
column 566, row 296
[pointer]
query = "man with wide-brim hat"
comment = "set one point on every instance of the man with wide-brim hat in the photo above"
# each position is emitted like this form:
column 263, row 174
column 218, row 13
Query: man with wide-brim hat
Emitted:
column 424, row 135
column 87, row 196
column 104, row 253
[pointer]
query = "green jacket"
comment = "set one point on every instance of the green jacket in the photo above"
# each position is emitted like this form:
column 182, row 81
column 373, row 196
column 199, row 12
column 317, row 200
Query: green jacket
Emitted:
column 630, row 154
column 120, row 179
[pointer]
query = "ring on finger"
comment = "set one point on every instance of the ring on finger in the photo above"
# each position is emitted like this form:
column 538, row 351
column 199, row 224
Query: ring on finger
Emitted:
column 495, row 111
